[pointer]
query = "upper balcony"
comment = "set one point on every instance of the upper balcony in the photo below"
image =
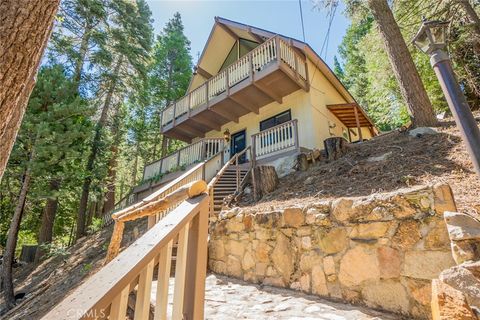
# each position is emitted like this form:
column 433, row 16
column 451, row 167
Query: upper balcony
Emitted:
column 268, row 73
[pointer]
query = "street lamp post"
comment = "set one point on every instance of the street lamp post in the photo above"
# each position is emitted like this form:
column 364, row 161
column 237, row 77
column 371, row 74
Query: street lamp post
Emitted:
column 431, row 39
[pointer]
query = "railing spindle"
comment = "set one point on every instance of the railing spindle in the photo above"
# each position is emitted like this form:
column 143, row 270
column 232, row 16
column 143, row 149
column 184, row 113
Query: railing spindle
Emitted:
column 118, row 309
column 163, row 281
column 180, row 268
column 142, row 304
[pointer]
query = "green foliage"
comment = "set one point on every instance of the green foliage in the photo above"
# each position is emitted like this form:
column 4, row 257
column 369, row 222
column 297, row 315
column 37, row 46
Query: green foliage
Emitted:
column 96, row 225
column 366, row 71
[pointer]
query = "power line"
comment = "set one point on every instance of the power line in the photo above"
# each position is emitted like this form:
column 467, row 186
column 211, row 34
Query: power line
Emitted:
column 301, row 18
column 331, row 16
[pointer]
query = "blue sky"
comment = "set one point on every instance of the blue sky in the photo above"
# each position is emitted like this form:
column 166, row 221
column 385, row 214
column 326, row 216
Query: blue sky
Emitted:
column 281, row 16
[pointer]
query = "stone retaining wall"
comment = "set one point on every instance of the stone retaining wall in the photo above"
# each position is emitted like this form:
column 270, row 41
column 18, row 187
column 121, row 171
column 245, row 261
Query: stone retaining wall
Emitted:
column 381, row 251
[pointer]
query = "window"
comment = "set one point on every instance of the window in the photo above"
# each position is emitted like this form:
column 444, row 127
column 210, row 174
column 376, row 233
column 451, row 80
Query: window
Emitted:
column 275, row 120
column 245, row 47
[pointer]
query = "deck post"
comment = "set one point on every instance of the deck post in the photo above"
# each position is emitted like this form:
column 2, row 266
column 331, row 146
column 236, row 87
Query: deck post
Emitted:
column 295, row 130
column 357, row 121
column 279, row 50
column 174, row 113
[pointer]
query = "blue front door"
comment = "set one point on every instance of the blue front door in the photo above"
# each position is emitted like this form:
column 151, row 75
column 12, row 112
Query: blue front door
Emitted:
column 237, row 144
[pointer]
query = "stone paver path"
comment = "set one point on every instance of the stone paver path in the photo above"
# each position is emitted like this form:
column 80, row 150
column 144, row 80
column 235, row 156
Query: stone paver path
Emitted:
column 229, row 299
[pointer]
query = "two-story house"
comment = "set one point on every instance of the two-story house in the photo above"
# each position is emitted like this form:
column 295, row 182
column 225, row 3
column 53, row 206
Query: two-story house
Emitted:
column 255, row 89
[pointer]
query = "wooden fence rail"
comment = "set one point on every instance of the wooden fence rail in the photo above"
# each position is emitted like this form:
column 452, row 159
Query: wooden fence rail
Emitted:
column 105, row 294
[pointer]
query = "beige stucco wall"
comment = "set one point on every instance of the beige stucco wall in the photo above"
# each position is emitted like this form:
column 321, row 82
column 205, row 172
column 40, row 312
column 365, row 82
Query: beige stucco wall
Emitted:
column 315, row 122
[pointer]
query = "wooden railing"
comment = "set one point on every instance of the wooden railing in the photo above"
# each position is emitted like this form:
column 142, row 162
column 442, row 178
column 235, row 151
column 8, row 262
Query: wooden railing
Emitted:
column 234, row 161
column 205, row 170
column 195, row 152
column 275, row 140
column 255, row 61
column 105, row 295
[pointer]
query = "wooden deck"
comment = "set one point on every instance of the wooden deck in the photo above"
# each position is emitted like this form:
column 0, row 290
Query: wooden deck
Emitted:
column 266, row 74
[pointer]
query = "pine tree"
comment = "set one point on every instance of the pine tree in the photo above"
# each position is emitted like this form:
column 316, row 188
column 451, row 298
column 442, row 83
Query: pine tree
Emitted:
column 170, row 72
column 50, row 139
column 128, row 45
column 24, row 32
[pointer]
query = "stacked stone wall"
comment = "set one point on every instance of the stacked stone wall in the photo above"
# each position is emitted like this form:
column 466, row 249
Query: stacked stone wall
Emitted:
column 381, row 251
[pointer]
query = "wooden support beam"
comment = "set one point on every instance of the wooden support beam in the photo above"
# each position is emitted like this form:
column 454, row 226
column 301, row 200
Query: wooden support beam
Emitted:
column 203, row 72
column 227, row 30
column 212, row 125
column 359, row 129
column 192, row 130
column 175, row 134
column 225, row 113
column 247, row 106
column 268, row 92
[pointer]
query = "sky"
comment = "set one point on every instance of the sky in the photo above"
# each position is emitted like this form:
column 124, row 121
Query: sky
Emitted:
column 279, row 16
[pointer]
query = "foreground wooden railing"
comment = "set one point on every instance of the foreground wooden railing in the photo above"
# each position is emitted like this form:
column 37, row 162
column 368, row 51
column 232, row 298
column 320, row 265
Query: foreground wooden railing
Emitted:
column 274, row 49
column 275, row 140
column 105, row 295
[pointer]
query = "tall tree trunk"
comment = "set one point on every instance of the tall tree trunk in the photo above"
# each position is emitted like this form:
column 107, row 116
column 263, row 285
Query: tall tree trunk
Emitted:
column 471, row 14
column 45, row 234
column 12, row 238
column 25, row 27
column 82, row 53
column 82, row 210
column 411, row 86
column 109, row 202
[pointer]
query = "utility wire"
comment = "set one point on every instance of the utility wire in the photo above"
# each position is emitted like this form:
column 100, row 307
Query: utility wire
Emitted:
column 331, row 16
column 301, row 18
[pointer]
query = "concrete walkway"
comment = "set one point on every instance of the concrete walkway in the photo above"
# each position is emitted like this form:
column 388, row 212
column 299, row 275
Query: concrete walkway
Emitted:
column 231, row 299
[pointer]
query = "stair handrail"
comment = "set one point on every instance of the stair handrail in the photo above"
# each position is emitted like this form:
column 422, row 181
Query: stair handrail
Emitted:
column 232, row 161
column 106, row 293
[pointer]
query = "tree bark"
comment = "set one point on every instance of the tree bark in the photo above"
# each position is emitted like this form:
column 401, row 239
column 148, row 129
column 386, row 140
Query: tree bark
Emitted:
column 266, row 180
column 45, row 234
column 12, row 238
column 25, row 27
column 82, row 210
column 411, row 86
column 109, row 202
column 82, row 53
column 471, row 14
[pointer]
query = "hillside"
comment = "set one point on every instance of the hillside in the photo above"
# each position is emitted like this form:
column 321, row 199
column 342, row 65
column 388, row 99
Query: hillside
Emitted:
column 386, row 163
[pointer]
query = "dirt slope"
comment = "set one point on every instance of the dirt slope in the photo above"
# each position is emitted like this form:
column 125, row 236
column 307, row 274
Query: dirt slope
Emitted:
column 48, row 283
column 384, row 164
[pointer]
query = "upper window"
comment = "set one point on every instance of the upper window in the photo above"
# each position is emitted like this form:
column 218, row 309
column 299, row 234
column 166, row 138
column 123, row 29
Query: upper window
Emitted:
column 275, row 120
column 237, row 52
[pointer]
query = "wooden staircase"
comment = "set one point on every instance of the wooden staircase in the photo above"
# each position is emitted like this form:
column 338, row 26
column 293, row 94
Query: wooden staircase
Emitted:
column 227, row 185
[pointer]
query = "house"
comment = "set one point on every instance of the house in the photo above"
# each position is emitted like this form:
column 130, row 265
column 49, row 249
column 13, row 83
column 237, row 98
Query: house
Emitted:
column 259, row 91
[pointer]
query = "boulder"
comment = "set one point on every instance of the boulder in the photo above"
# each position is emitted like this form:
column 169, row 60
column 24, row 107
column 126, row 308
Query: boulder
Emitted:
column 465, row 281
column 443, row 198
column 465, row 250
column 449, row 303
column 421, row 131
column 462, row 226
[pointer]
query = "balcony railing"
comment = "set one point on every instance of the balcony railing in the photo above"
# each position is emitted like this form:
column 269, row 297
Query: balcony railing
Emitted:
column 193, row 153
column 276, row 140
column 254, row 62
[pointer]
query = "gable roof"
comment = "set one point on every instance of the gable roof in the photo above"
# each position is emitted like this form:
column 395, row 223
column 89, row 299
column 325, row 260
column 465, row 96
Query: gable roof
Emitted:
column 238, row 30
